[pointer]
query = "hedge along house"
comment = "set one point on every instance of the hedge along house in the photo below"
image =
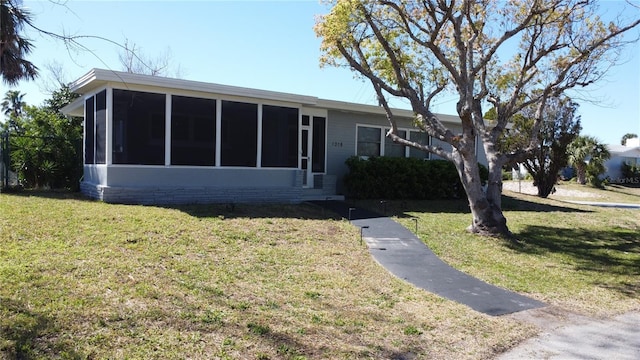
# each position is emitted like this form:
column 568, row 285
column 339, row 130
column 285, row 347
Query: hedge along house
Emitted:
column 156, row 140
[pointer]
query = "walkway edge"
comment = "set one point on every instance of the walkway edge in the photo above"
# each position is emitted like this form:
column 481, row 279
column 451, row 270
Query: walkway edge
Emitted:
column 404, row 255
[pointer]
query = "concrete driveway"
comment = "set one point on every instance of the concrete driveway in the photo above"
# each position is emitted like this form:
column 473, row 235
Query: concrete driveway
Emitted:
column 570, row 336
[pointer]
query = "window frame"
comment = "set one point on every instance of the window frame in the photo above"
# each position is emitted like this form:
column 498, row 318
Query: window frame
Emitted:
column 144, row 129
column 383, row 140
column 192, row 125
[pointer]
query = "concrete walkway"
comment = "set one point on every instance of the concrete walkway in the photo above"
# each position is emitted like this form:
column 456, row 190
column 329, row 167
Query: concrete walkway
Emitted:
column 605, row 204
column 407, row 257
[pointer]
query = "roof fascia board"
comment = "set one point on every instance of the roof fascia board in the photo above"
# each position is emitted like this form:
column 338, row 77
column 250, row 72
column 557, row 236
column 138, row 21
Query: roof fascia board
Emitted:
column 88, row 81
column 96, row 78
column 372, row 109
column 74, row 108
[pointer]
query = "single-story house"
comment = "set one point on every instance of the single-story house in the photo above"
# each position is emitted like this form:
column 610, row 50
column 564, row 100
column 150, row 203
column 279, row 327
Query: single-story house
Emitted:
column 629, row 154
column 157, row 140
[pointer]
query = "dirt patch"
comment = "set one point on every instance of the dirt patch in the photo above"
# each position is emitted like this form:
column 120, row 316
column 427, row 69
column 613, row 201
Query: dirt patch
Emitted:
column 526, row 187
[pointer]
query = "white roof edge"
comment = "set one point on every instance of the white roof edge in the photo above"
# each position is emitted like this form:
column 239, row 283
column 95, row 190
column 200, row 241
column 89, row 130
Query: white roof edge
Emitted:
column 372, row 109
column 622, row 150
column 102, row 75
column 96, row 77
column 74, row 108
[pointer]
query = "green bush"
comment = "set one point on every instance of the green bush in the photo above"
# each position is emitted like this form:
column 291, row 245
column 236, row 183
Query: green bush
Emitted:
column 404, row 178
column 630, row 171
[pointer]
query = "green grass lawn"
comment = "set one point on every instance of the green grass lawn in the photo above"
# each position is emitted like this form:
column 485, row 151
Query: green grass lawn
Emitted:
column 581, row 258
column 84, row 279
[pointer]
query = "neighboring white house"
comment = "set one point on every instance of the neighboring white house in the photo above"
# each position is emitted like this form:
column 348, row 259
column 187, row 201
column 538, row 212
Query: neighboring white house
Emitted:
column 628, row 153
column 152, row 140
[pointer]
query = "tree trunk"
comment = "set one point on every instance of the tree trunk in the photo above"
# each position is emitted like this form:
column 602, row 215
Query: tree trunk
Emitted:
column 545, row 182
column 486, row 207
column 581, row 174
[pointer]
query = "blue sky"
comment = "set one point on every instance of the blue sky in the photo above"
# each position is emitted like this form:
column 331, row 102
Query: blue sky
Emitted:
column 267, row 45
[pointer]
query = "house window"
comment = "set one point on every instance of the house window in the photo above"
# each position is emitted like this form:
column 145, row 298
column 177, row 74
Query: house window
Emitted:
column 393, row 149
column 101, row 127
column 89, row 131
column 318, row 145
column 422, row 139
column 279, row 137
column 139, row 130
column 193, row 131
column 239, row 125
column 369, row 141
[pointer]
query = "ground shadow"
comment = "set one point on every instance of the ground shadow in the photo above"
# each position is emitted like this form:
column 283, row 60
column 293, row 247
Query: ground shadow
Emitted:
column 224, row 210
column 403, row 208
column 22, row 332
column 612, row 251
column 318, row 210
column 624, row 189
column 47, row 194
column 304, row 211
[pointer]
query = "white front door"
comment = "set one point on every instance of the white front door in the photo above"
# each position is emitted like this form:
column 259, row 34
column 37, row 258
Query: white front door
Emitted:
column 305, row 156
column 313, row 144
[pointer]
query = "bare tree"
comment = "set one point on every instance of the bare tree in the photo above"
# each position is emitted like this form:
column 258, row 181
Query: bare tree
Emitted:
column 132, row 60
column 14, row 48
column 417, row 50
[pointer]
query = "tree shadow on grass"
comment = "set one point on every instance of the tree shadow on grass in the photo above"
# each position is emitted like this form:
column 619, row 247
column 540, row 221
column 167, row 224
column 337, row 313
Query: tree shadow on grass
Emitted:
column 360, row 209
column 626, row 189
column 225, row 210
column 403, row 208
column 614, row 252
column 306, row 211
column 321, row 210
column 48, row 194
column 25, row 334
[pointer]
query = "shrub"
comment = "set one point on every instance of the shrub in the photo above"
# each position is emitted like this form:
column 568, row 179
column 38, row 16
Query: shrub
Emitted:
column 630, row 170
column 404, row 178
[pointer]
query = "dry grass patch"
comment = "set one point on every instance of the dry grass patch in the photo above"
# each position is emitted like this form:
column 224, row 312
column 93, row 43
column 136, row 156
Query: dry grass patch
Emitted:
column 85, row 279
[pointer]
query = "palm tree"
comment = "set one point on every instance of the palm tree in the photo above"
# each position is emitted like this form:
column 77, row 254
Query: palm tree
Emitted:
column 13, row 46
column 587, row 155
column 626, row 137
column 12, row 104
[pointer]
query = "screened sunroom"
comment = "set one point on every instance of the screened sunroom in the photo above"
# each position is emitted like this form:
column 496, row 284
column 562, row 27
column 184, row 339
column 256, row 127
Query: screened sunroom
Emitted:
column 157, row 140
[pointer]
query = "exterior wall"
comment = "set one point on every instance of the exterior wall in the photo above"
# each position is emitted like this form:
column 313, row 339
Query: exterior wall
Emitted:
column 95, row 174
column 161, row 176
column 341, row 140
column 176, row 185
column 621, row 154
column 614, row 167
column 341, row 143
